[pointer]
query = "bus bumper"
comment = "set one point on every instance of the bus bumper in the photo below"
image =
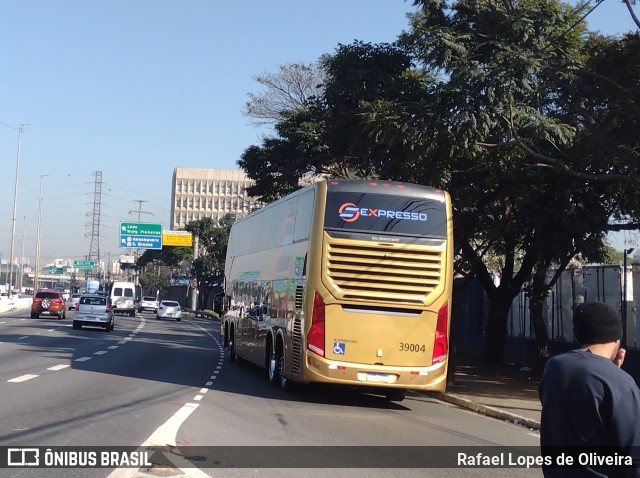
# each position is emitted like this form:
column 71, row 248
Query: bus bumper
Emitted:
column 433, row 378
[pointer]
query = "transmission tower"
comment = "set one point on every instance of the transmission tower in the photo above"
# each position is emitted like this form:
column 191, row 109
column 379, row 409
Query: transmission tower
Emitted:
column 94, row 248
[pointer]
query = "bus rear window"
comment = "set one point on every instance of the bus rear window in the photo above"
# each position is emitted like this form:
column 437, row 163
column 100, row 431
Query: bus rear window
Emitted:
column 392, row 214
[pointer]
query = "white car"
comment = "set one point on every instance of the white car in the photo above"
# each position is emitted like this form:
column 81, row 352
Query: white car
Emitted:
column 148, row 303
column 169, row 309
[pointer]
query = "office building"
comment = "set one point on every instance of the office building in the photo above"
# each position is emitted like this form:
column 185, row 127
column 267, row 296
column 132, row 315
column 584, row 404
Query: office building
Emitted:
column 197, row 193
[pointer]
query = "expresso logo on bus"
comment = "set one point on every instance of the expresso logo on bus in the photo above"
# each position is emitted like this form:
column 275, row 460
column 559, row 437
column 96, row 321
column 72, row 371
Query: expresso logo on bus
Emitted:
column 349, row 212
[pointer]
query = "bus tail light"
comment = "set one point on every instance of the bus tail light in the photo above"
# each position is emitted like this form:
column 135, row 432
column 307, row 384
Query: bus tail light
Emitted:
column 315, row 337
column 440, row 340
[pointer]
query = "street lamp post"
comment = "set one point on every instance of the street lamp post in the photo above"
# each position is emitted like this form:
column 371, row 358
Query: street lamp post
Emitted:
column 624, row 295
column 36, row 275
column 15, row 199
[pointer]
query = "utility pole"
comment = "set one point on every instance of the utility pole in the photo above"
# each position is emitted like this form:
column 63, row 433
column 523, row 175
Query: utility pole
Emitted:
column 139, row 211
column 24, row 220
column 194, row 290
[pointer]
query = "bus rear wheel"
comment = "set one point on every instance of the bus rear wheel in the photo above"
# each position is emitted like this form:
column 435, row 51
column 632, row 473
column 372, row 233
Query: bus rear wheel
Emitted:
column 273, row 367
column 286, row 384
column 232, row 349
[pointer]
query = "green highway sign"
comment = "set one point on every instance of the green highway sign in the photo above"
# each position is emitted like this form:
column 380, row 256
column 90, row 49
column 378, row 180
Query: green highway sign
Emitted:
column 140, row 229
column 55, row 270
column 83, row 264
column 140, row 235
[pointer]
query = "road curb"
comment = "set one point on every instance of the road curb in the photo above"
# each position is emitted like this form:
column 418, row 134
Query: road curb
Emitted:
column 489, row 411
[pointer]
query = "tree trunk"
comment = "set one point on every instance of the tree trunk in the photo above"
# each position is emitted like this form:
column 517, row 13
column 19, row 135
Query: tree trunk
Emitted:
column 536, row 305
column 496, row 329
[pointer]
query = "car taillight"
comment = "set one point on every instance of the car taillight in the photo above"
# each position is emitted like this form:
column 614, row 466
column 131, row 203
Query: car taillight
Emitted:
column 107, row 309
column 77, row 305
column 440, row 339
column 315, row 337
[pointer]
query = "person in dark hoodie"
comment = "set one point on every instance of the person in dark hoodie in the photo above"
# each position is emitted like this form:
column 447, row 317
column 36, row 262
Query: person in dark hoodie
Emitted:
column 590, row 406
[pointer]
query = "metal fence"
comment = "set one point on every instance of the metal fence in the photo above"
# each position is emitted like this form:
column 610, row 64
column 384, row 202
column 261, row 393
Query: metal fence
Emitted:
column 602, row 283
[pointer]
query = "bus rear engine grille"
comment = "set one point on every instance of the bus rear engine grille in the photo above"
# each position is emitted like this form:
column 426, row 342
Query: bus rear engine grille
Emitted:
column 392, row 274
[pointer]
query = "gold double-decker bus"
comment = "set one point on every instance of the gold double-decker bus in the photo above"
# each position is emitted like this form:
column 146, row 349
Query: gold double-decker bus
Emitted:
column 344, row 282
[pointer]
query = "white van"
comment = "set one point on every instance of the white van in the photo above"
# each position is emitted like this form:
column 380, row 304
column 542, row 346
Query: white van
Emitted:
column 123, row 298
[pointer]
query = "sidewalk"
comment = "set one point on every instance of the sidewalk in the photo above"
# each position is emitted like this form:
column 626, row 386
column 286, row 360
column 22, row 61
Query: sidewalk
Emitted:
column 504, row 392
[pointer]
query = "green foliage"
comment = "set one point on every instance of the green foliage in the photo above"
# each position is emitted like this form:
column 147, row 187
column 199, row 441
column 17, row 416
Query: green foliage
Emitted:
column 208, row 268
column 513, row 107
column 153, row 282
column 331, row 137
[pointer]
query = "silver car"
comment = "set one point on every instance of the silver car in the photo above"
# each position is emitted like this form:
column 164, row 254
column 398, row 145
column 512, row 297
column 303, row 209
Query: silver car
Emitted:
column 93, row 310
column 169, row 309
column 72, row 301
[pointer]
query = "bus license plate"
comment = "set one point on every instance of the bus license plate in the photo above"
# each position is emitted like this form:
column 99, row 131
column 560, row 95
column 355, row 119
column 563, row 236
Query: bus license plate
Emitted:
column 377, row 377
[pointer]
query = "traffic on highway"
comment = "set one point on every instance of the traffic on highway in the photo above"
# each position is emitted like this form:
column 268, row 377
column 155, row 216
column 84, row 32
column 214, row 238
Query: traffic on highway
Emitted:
column 167, row 387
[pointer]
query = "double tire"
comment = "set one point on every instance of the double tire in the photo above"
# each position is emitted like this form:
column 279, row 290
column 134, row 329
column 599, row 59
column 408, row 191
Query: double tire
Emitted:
column 276, row 367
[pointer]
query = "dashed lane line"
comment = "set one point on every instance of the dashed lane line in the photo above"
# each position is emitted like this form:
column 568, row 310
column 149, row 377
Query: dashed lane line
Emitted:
column 22, row 378
column 59, row 367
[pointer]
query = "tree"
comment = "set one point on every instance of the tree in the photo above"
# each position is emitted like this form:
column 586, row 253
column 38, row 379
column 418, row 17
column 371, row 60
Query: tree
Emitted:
column 208, row 268
column 330, row 137
column 493, row 94
column 290, row 88
column 154, row 282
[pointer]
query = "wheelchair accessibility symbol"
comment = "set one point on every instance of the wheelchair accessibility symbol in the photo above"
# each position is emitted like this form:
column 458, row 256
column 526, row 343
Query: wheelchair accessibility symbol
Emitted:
column 338, row 348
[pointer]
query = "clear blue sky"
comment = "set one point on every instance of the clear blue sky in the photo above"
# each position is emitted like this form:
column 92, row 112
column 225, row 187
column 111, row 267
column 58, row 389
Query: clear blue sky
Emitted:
column 135, row 88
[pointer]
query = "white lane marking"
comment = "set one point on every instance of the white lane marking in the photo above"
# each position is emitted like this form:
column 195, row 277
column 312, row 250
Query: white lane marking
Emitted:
column 22, row 378
column 58, row 367
column 127, row 338
column 113, row 347
column 215, row 373
column 82, row 359
column 208, row 384
column 25, row 337
column 198, row 397
column 100, row 352
column 122, row 342
column 166, row 433
column 132, row 335
column 51, row 330
column 204, row 390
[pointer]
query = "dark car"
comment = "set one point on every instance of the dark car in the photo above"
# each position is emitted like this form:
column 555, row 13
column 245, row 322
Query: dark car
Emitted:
column 48, row 302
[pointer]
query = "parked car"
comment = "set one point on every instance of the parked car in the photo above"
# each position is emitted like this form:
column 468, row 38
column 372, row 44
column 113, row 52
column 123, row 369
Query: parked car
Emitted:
column 48, row 302
column 148, row 303
column 169, row 309
column 72, row 301
column 93, row 310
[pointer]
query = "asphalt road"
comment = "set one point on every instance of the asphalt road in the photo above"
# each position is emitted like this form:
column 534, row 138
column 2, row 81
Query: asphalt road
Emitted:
column 166, row 384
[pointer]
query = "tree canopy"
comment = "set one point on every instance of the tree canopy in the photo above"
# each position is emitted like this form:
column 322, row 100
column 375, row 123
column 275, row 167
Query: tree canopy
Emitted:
column 513, row 107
